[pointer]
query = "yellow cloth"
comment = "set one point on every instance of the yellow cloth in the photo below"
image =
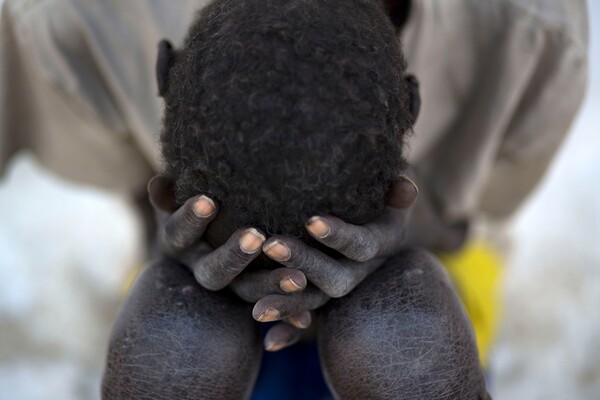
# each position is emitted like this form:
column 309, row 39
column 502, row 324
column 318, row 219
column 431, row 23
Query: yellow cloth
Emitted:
column 130, row 279
column 476, row 271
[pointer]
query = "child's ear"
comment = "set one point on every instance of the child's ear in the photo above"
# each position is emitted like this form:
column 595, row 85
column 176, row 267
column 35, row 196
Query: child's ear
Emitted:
column 415, row 97
column 164, row 62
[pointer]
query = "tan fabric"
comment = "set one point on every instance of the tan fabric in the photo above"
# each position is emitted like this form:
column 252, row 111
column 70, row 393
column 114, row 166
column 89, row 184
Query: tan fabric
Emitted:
column 78, row 88
column 501, row 81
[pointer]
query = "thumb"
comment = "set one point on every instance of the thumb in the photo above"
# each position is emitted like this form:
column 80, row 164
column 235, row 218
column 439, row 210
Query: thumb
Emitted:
column 161, row 191
column 403, row 193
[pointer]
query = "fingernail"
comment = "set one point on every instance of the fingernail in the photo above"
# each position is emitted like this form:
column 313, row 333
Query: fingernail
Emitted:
column 274, row 346
column 269, row 315
column 301, row 321
column 402, row 193
column 251, row 241
column 151, row 182
column 318, row 228
column 288, row 285
column 277, row 251
column 411, row 182
column 204, row 207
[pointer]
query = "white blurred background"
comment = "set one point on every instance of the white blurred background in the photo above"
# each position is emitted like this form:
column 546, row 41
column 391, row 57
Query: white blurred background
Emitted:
column 549, row 345
column 66, row 250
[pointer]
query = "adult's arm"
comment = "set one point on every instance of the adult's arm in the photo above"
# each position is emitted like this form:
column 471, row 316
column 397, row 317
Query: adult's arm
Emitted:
column 77, row 85
column 546, row 110
column 496, row 108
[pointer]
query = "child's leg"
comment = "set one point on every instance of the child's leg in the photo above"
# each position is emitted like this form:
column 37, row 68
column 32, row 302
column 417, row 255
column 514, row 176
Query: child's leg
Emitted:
column 402, row 334
column 175, row 340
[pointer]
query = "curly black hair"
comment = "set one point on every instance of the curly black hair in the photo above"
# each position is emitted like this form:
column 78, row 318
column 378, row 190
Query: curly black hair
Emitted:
column 280, row 110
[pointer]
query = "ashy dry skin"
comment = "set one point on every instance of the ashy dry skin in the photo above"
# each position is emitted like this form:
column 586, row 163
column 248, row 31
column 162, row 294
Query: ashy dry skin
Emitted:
column 279, row 111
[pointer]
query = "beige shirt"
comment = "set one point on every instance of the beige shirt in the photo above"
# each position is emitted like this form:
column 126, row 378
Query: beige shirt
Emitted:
column 501, row 82
column 77, row 85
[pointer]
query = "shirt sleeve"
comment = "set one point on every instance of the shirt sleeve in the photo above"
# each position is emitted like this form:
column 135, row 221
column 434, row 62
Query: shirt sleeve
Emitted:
column 15, row 93
column 77, row 87
column 539, row 124
column 501, row 83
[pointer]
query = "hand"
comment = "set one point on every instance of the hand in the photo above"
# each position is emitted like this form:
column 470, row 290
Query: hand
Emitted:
column 180, row 231
column 179, row 237
column 280, row 295
column 364, row 247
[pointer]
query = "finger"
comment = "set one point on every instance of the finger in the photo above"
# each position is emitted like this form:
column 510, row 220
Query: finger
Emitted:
column 185, row 227
column 383, row 237
column 277, row 307
column 334, row 277
column 218, row 268
column 356, row 242
column 283, row 335
column 327, row 274
column 253, row 286
column 403, row 193
column 280, row 336
column 301, row 320
column 161, row 192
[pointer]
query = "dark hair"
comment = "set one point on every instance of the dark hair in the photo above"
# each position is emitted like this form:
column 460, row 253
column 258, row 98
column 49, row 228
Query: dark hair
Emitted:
column 281, row 110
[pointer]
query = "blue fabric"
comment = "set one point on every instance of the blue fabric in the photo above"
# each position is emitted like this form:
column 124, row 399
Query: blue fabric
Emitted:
column 293, row 373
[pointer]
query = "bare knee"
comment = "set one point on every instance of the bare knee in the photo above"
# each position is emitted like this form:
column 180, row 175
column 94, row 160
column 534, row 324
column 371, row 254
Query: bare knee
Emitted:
column 401, row 334
column 175, row 340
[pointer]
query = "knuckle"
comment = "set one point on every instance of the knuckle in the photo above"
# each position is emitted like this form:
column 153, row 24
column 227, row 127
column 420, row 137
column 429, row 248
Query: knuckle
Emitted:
column 277, row 275
column 358, row 245
column 290, row 306
column 336, row 292
column 226, row 261
column 234, row 259
column 366, row 248
column 233, row 255
column 219, row 268
column 228, row 264
column 204, row 280
column 338, row 238
column 343, row 285
column 207, row 276
column 300, row 257
column 172, row 240
column 225, row 268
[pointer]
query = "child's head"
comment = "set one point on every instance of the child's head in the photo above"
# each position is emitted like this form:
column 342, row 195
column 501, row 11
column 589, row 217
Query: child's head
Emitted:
column 280, row 110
